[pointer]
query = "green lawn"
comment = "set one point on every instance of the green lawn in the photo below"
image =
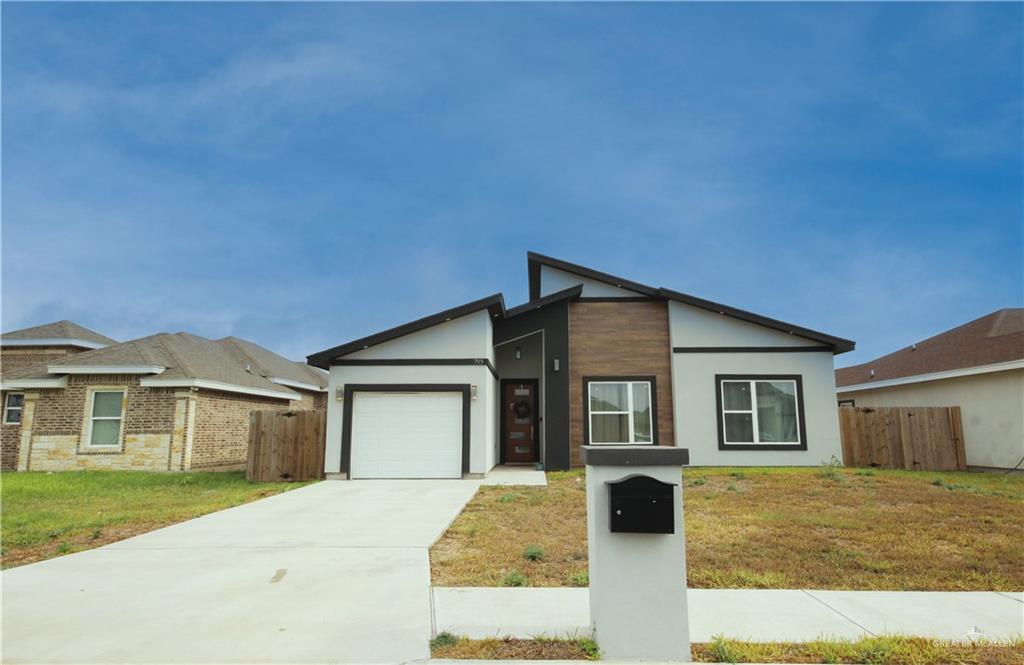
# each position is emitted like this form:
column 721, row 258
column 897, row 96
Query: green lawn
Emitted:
column 767, row 528
column 49, row 514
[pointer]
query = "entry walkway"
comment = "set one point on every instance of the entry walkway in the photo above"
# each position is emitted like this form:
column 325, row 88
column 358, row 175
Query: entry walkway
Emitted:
column 754, row 615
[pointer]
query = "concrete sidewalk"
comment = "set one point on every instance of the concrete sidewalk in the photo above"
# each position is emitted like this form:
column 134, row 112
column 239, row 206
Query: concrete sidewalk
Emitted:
column 754, row 615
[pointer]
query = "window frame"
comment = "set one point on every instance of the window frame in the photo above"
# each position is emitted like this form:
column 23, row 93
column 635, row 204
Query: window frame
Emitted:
column 8, row 408
column 90, row 419
column 797, row 379
column 652, row 384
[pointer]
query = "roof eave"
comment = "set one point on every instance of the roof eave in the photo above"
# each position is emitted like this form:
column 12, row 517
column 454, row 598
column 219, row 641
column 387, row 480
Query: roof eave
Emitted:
column 571, row 293
column 495, row 304
column 534, row 262
column 52, row 341
column 838, row 344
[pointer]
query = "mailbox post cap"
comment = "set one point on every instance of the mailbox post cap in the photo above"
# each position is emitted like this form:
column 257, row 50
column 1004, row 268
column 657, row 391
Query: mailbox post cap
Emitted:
column 647, row 455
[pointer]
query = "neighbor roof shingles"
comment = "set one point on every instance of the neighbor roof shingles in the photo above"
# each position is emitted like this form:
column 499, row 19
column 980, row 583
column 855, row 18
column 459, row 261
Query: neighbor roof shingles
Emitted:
column 187, row 356
column 58, row 330
column 995, row 338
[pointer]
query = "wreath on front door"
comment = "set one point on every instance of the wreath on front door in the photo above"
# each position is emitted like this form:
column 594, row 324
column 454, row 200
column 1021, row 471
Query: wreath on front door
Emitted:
column 522, row 408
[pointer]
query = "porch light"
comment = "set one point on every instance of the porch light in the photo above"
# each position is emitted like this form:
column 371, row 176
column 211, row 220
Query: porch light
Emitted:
column 555, row 364
column 339, row 393
column 472, row 391
column 519, row 352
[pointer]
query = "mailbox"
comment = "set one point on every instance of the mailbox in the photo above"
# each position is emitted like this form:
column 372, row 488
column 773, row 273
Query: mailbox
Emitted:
column 641, row 504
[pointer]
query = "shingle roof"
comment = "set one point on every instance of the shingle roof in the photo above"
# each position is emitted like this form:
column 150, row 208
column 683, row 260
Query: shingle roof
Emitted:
column 68, row 330
column 995, row 338
column 185, row 356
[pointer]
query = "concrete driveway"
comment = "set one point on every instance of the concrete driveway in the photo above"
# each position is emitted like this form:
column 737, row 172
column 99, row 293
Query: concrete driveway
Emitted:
column 334, row 572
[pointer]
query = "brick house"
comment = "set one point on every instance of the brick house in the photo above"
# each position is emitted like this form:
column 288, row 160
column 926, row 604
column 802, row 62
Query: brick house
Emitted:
column 167, row 402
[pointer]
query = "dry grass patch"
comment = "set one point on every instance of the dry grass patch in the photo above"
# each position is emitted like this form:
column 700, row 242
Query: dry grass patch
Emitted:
column 827, row 528
column 447, row 645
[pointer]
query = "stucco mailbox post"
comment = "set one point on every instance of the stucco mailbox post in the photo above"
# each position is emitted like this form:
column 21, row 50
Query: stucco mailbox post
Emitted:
column 637, row 551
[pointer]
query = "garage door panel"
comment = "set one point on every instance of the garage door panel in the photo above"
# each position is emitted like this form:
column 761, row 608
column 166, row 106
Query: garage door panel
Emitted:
column 406, row 435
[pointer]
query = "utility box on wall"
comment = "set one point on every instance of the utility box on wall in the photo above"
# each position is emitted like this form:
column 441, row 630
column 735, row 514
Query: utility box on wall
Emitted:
column 641, row 504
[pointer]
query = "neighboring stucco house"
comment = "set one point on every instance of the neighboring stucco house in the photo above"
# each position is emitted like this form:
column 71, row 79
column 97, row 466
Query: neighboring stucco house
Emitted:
column 978, row 366
column 591, row 358
column 166, row 402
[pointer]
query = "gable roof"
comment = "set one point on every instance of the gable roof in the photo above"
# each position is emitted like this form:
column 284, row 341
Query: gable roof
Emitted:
column 186, row 360
column 58, row 333
column 495, row 304
column 535, row 261
column 992, row 339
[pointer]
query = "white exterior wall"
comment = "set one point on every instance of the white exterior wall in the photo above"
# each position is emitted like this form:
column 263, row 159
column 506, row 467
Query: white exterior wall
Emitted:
column 553, row 280
column 991, row 407
column 466, row 337
column 695, row 409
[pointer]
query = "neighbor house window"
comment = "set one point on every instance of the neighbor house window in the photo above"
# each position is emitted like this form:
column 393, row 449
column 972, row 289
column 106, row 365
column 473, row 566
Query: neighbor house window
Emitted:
column 760, row 412
column 620, row 411
column 13, row 406
column 105, row 418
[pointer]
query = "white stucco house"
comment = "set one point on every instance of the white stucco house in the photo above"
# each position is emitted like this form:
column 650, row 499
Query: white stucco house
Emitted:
column 978, row 366
column 591, row 358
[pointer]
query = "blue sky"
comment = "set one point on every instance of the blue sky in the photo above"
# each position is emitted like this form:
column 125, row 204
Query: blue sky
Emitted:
column 301, row 175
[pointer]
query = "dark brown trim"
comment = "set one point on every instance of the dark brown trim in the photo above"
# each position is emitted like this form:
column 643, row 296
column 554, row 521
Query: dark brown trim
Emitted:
column 752, row 349
column 351, row 388
column 653, row 380
column 414, row 362
column 639, row 455
column 536, row 416
column 838, row 344
column 571, row 293
column 720, row 418
column 534, row 261
column 495, row 304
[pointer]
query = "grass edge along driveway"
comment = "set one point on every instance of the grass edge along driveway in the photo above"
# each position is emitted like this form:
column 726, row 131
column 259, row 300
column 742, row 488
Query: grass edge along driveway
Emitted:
column 48, row 514
column 766, row 528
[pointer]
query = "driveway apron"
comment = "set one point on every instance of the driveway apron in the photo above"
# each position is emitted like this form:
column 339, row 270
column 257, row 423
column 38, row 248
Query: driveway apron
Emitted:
column 334, row 572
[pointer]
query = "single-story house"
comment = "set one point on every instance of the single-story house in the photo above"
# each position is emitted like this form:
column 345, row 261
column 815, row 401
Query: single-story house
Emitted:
column 590, row 358
column 978, row 366
column 167, row 402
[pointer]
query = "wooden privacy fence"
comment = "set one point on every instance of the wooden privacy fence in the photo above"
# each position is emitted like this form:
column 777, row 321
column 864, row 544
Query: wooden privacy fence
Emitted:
column 896, row 437
column 286, row 445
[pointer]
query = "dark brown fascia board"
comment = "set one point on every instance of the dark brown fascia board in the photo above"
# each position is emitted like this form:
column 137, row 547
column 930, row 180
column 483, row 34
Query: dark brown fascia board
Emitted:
column 571, row 293
column 534, row 261
column 838, row 344
column 495, row 304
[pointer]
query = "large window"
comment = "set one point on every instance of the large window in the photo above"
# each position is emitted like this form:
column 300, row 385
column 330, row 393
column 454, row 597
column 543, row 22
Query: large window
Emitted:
column 13, row 406
column 105, row 418
column 760, row 412
column 620, row 410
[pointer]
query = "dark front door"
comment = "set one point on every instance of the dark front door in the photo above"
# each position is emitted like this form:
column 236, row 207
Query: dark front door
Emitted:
column 519, row 421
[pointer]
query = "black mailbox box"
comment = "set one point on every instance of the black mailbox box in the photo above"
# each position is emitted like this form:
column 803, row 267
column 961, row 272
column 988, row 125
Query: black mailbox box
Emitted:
column 641, row 504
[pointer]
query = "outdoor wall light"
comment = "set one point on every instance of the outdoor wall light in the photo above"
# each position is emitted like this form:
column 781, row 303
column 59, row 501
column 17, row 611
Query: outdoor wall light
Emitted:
column 339, row 393
column 555, row 364
column 519, row 352
column 472, row 391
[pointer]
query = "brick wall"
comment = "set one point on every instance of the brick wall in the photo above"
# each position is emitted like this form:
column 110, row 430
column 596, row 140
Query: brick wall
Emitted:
column 619, row 339
column 221, row 435
column 59, row 422
column 27, row 356
column 10, row 435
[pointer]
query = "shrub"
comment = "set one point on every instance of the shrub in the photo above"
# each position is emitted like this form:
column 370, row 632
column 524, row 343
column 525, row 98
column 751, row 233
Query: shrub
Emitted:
column 590, row 648
column 831, row 470
column 514, row 578
column 533, row 553
column 443, row 640
column 580, row 578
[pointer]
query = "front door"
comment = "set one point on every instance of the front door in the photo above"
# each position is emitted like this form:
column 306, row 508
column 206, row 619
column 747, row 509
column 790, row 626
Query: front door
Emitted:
column 519, row 421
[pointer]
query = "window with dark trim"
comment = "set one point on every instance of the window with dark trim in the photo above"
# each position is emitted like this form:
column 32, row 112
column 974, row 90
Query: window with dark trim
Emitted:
column 760, row 412
column 14, row 403
column 620, row 410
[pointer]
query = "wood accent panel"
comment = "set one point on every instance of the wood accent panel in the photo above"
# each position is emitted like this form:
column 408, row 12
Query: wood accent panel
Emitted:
column 619, row 339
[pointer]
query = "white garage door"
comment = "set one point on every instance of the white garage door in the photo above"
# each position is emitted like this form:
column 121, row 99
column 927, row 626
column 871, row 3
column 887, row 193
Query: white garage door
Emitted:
column 406, row 435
